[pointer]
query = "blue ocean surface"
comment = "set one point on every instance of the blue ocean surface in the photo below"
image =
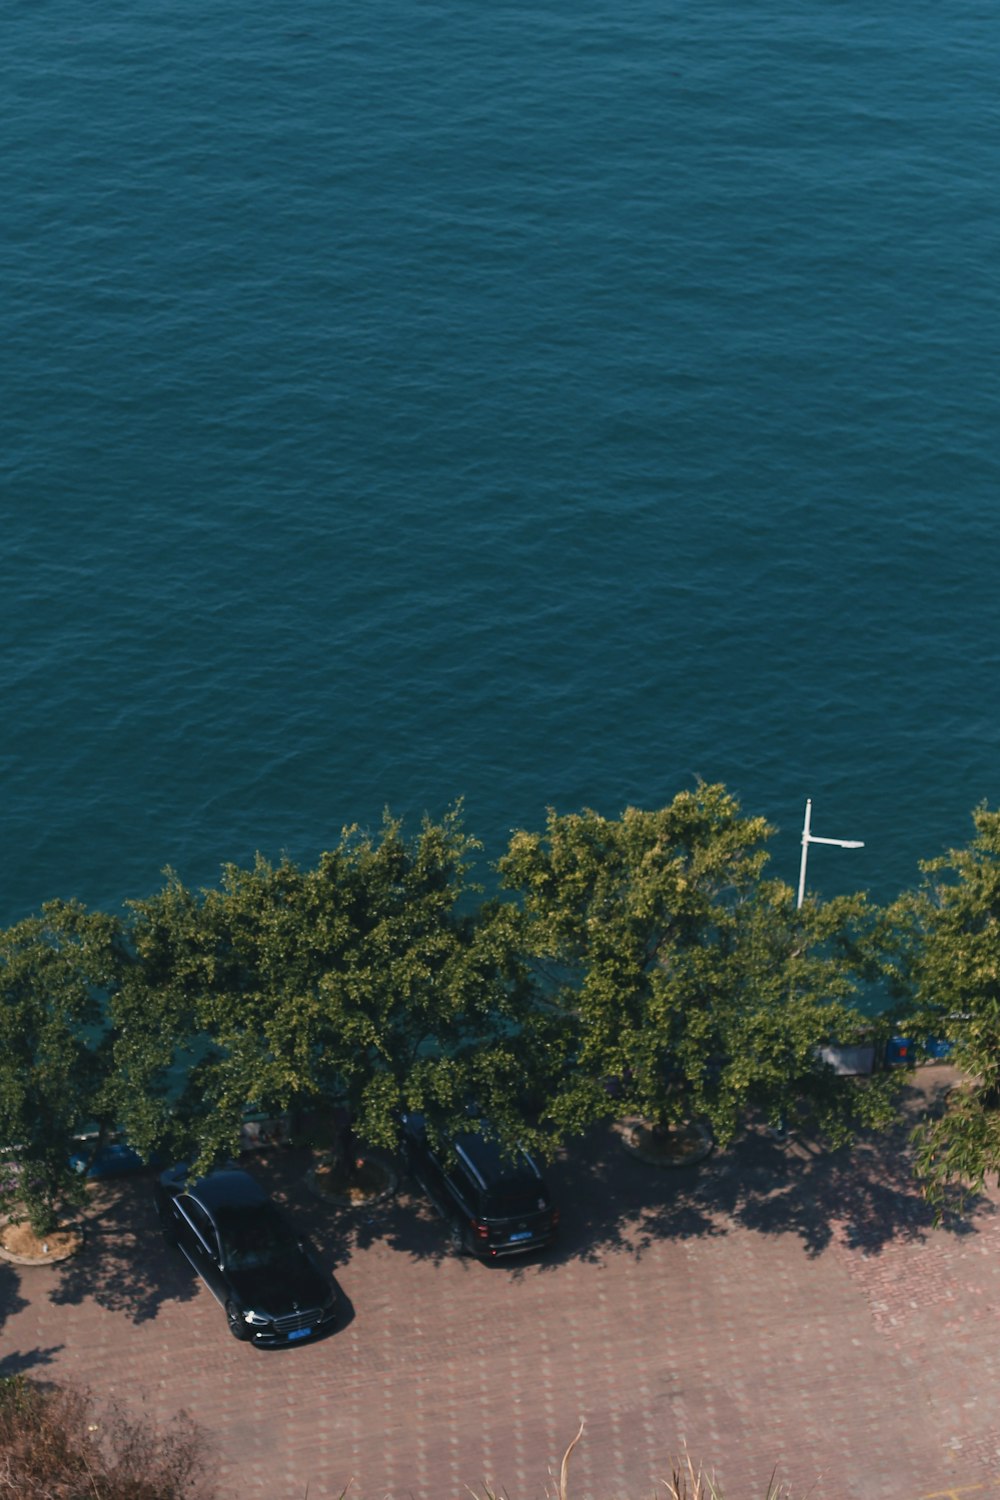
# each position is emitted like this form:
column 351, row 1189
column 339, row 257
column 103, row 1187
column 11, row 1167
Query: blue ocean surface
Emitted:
column 537, row 404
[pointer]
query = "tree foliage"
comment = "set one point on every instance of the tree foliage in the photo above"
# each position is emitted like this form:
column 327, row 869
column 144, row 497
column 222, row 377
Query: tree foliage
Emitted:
column 55, row 971
column 945, row 962
column 643, row 964
column 686, row 982
column 364, row 979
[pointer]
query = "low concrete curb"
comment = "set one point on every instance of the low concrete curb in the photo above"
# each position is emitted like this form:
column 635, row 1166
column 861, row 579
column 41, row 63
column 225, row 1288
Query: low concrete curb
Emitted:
column 53, row 1258
column 341, row 1200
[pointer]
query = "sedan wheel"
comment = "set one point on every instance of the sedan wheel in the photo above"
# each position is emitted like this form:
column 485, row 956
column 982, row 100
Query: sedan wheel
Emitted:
column 237, row 1327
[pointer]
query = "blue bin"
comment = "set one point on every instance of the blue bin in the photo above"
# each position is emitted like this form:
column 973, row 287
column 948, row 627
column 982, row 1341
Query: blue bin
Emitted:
column 902, row 1051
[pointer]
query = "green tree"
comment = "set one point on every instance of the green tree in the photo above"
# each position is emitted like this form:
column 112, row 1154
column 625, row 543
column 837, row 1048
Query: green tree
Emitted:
column 685, row 983
column 372, row 979
column 56, row 972
column 945, row 965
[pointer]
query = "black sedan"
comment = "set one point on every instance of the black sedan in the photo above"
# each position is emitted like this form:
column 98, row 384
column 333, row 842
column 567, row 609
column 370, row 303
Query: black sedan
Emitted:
column 248, row 1256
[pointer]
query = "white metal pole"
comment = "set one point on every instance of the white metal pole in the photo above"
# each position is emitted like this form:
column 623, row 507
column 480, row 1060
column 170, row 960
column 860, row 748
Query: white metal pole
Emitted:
column 805, row 853
column 808, row 837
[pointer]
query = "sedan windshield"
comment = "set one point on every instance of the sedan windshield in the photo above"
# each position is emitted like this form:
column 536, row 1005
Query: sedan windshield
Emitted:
column 255, row 1236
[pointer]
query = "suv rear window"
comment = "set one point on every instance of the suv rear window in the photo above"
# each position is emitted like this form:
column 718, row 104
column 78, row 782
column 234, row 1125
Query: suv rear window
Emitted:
column 512, row 1200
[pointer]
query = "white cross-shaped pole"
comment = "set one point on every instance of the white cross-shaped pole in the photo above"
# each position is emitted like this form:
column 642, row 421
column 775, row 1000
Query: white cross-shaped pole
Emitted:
column 811, row 838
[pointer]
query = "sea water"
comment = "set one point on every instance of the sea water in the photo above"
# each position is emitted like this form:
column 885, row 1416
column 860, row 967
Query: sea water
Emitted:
column 536, row 404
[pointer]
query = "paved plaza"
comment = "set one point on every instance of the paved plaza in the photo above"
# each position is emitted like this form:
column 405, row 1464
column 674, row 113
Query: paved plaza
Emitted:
column 775, row 1308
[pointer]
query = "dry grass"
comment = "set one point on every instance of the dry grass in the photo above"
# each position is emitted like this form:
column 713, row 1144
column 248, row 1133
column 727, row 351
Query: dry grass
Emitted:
column 686, row 1482
column 56, row 1443
column 21, row 1239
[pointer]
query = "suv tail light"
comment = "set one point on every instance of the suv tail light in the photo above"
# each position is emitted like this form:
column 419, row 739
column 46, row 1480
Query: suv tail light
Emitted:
column 481, row 1231
column 555, row 1218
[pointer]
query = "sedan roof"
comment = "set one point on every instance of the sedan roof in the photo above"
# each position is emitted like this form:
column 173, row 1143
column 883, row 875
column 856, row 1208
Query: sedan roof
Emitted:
column 229, row 1189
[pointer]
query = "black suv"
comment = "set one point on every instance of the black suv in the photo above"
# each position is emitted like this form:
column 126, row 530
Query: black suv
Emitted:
column 248, row 1255
column 496, row 1205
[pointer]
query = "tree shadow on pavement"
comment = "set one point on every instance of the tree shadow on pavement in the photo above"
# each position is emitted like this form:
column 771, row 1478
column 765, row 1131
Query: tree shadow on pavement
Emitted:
column 861, row 1197
column 30, row 1359
column 11, row 1302
column 864, row 1196
column 124, row 1265
column 601, row 1194
column 405, row 1221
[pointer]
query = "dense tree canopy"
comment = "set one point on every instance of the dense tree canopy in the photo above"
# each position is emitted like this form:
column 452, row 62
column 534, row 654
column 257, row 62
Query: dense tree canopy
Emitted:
column 363, row 980
column 55, row 1059
column 946, row 965
column 687, row 983
column 645, row 964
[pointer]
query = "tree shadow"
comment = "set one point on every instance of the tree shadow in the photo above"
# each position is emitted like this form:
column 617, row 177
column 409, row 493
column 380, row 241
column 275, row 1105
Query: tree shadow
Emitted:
column 863, row 1197
column 11, row 1301
column 30, row 1359
column 333, row 1232
column 611, row 1203
column 603, row 1198
column 405, row 1221
column 124, row 1265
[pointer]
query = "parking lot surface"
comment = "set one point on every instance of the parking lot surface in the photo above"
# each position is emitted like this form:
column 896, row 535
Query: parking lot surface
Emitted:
column 776, row 1308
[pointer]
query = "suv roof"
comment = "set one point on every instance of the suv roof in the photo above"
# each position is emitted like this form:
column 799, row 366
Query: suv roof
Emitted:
column 488, row 1162
column 494, row 1198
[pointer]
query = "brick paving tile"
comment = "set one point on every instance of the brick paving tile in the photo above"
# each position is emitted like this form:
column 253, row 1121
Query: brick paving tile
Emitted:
column 775, row 1308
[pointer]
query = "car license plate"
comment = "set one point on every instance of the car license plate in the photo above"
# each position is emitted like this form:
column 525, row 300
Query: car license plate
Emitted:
column 300, row 1333
column 522, row 1234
